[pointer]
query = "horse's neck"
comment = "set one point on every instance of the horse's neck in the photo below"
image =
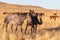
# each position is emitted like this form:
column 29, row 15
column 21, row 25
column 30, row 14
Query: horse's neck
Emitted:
column 29, row 18
column 27, row 15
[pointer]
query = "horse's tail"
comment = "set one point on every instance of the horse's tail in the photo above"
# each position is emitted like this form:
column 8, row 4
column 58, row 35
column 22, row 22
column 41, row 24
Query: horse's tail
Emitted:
column 5, row 20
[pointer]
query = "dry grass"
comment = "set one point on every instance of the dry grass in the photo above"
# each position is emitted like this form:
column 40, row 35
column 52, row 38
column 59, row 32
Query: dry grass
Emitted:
column 41, row 34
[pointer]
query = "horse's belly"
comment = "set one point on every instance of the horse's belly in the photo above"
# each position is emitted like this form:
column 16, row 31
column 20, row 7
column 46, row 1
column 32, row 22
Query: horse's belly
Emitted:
column 14, row 22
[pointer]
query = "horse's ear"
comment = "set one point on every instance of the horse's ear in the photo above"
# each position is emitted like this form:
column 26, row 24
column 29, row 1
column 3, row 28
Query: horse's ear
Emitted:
column 31, row 11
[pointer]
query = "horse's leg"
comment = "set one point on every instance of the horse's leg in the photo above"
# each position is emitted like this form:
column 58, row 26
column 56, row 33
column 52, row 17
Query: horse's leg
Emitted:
column 21, row 29
column 12, row 28
column 26, row 28
column 16, row 28
column 3, row 25
column 35, row 28
column 6, row 26
column 32, row 29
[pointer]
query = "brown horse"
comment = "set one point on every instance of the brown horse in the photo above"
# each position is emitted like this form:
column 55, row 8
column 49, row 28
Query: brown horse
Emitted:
column 54, row 17
column 33, row 21
column 14, row 19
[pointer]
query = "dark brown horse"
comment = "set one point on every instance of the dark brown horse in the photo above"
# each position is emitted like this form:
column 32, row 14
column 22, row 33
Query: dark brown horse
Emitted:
column 33, row 21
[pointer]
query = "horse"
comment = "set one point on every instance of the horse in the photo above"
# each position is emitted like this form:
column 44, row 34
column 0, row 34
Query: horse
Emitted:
column 14, row 19
column 54, row 17
column 33, row 22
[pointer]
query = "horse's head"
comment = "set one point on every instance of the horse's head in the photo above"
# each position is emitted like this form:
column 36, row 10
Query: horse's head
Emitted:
column 41, row 14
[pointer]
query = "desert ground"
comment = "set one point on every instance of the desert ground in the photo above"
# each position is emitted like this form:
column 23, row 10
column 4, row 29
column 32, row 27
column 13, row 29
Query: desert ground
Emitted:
column 49, row 30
